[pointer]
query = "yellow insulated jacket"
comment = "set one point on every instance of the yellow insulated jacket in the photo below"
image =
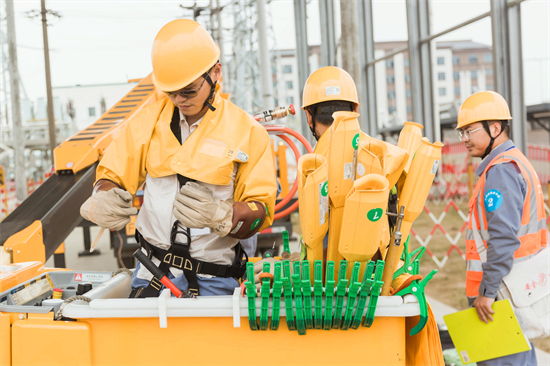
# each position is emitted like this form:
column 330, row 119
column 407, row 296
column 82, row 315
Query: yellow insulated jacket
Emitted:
column 225, row 138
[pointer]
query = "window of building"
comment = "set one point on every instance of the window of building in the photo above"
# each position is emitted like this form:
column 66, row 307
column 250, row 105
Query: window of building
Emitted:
column 441, row 76
column 409, row 108
column 473, row 74
column 489, row 71
column 289, row 85
column 391, row 94
column 457, row 91
column 488, row 57
column 406, row 62
column 407, row 78
column 456, row 60
column 442, row 91
column 91, row 111
column 490, row 87
column 390, row 79
column 389, row 63
column 441, row 60
column 290, row 100
column 473, row 59
column 408, row 93
column 456, row 75
column 391, row 109
column 287, row 69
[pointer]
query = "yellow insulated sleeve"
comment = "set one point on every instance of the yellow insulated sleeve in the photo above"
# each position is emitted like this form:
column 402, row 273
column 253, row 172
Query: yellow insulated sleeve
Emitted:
column 313, row 204
column 335, row 226
column 409, row 140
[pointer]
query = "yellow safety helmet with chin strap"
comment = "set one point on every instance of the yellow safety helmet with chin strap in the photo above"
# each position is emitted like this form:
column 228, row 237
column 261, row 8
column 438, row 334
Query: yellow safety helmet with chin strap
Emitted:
column 182, row 52
column 329, row 83
column 483, row 106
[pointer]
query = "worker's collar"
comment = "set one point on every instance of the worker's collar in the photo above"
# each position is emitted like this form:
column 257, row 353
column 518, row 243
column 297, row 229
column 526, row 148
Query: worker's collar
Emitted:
column 496, row 151
column 184, row 120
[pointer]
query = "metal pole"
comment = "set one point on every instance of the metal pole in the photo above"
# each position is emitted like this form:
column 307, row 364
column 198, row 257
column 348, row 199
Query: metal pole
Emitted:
column 366, row 47
column 18, row 137
column 226, row 80
column 302, row 51
column 328, row 42
column 349, row 42
column 51, row 119
column 265, row 62
column 388, row 55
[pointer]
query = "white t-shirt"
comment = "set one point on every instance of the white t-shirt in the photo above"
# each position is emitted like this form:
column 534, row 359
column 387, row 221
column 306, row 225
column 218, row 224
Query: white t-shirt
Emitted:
column 155, row 218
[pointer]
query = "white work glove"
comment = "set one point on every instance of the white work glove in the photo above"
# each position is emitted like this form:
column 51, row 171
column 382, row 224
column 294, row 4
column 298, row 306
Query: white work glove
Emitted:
column 196, row 207
column 109, row 209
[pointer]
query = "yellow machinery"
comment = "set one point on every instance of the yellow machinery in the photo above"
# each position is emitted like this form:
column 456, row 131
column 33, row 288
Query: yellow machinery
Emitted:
column 94, row 323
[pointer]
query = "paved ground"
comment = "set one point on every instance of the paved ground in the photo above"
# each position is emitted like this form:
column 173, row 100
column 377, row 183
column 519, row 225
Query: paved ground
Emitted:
column 440, row 309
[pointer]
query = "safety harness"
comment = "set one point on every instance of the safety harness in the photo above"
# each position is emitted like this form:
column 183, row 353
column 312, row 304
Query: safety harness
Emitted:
column 178, row 256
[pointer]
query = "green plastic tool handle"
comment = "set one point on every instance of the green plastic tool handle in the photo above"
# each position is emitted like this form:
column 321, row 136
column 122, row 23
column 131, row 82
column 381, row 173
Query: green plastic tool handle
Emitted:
column 287, row 291
column 266, row 286
column 409, row 260
column 329, row 295
column 306, row 293
column 368, row 281
column 286, row 242
column 251, row 295
column 277, row 288
column 340, row 294
column 417, row 289
column 298, row 301
column 352, row 295
column 318, row 294
column 374, row 293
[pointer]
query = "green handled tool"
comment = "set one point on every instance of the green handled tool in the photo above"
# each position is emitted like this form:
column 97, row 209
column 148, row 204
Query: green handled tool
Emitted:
column 306, row 293
column 287, row 291
column 318, row 294
column 266, row 286
column 374, row 293
column 251, row 295
column 368, row 281
column 352, row 295
column 417, row 288
column 329, row 295
column 277, row 288
column 340, row 294
column 409, row 259
column 286, row 242
column 298, row 300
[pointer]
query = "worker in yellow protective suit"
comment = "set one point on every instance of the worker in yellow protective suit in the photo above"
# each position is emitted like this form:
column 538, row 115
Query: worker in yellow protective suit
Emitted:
column 207, row 167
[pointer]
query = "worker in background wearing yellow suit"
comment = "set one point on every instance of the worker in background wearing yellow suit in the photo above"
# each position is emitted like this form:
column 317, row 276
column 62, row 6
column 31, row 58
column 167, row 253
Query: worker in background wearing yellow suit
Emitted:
column 207, row 167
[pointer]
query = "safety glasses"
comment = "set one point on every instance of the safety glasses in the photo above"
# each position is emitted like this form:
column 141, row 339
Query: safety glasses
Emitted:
column 467, row 133
column 185, row 93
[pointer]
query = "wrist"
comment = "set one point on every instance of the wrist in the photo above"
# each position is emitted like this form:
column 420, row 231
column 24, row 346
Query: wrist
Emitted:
column 248, row 218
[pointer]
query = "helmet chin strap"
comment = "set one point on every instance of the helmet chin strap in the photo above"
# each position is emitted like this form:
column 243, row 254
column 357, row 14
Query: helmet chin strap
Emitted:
column 490, row 146
column 208, row 101
column 312, row 127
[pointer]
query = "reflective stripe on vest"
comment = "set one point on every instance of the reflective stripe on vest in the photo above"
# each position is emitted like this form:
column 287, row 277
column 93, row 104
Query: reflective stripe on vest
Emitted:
column 532, row 232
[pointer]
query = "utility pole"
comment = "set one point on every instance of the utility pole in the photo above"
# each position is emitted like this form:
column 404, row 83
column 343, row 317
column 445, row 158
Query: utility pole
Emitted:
column 219, row 41
column 51, row 119
column 265, row 64
column 18, row 136
column 350, row 41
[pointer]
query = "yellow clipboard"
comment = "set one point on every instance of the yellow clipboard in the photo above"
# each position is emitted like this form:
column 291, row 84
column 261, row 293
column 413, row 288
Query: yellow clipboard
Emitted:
column 476, row 341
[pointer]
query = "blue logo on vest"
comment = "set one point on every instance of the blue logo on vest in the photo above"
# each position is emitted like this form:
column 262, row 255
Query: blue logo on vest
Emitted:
column 493, row 200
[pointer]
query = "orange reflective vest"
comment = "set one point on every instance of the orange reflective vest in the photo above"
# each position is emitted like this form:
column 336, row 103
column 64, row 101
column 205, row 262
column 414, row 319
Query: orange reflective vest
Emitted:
column 532, row 233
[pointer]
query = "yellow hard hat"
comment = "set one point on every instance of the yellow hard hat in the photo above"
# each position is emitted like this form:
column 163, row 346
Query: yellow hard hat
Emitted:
column 329, row 83
column 182, row 51
column 483, row 106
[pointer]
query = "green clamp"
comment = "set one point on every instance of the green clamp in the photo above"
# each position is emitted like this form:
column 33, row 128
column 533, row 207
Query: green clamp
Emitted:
column 277, row 288
column 352, row 295
column 298, row 300
column 251, row 295
column 374, row 294
column 306, row 293
column 266, row 286
column 287, row 291
column 286, row 242
column 409, row 259
column 329, row 295
column 368, row 281
column 318, row 294
column 340, row 294
column 417, row 288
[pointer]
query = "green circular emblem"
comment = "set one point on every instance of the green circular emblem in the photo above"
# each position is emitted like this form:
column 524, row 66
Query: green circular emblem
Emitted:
column 324, row 189
column 375, row 214
column 355, row 142
column 255, row 224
